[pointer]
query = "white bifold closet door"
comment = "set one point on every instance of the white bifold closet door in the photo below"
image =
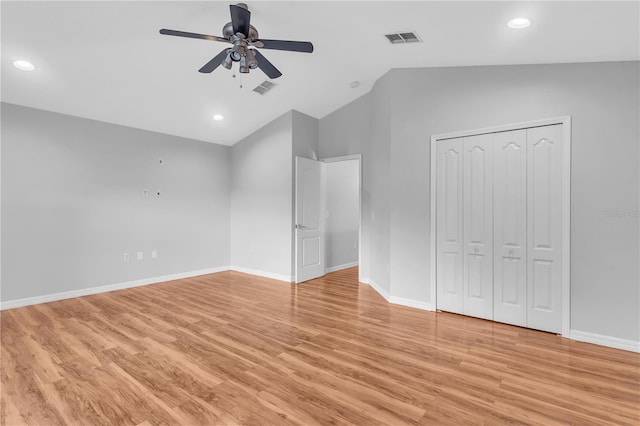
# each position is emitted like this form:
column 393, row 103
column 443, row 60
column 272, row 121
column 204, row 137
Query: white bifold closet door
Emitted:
column 449, row 241
column 510, row 227
column 464, row 218
column 477, row 230
column 544, row 228
column 499, row 226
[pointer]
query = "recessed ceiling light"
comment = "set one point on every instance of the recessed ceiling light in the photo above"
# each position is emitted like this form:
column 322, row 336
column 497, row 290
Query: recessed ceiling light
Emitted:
column 24, row 65
column 218, row 117
column 518, row 23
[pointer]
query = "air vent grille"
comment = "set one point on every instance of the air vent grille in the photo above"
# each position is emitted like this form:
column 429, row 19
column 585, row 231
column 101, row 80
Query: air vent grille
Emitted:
column 403, row 37
column 264, row 87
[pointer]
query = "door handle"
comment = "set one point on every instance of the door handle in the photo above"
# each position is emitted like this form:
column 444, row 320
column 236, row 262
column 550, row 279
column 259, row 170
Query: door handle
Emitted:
column 301, row 227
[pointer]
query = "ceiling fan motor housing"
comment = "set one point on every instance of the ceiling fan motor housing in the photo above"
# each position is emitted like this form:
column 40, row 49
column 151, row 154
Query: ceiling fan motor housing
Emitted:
column 227, row 32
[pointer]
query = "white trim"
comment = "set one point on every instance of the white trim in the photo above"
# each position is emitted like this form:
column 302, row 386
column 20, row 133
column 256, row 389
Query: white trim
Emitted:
column 376, row 287
column 342, row 158
column 432, row 227
column 566, row 204
column 566, row 226
column 600, row 339
column 17, row 303
column 411, row 303
column 360, row 179
column 397, row 300
column 265, row 274
column 504, row 128
column 340, row 267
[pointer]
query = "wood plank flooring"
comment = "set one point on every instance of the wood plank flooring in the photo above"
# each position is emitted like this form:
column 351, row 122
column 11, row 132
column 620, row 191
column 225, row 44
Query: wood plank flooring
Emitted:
column 234, row 349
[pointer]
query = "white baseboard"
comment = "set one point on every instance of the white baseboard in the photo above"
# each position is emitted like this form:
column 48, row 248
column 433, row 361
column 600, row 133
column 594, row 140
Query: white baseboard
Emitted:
column 341, row 267
column 286, row 278
column 411, row 303
column 376, row 287
column 9, row 304
column 600, row 339
column 397, row 300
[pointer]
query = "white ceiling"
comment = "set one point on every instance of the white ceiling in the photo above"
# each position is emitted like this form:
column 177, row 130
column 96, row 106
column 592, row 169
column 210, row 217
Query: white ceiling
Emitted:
column 107, row 61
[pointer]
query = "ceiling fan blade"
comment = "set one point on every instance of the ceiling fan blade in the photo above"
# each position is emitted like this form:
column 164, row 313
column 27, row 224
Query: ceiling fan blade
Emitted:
column 266, row 66
column 215, row 62
column 292, row 46
column 193, row 35
column 240, row 18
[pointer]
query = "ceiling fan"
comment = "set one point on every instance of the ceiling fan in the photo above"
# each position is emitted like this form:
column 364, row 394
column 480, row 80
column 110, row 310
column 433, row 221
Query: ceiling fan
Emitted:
column 244, row 38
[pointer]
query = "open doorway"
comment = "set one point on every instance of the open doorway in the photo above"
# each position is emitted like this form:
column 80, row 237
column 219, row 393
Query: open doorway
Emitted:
column 342, row 212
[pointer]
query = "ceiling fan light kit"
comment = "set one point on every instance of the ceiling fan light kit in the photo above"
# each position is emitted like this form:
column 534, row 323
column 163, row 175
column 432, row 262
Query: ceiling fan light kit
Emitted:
column 245, row 40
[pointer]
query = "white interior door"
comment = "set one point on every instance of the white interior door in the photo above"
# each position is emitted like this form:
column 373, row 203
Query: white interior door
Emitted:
column 510, row 227
column 449, row 244
column 309, row 220
column 477, row 215
column 544, row 228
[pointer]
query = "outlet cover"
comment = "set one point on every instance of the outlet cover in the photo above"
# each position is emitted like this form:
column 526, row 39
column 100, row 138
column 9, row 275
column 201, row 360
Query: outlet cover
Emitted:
column 125, row 257
column 140, row 255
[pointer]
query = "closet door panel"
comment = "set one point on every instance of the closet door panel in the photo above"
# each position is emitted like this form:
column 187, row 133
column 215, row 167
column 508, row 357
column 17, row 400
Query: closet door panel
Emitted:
column 510, row 227
column 449, row 241
column 544, row 228
column 478, row 226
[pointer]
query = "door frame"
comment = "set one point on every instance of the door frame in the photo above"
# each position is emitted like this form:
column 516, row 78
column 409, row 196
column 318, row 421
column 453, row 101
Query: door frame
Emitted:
column 566, row 203
column 359, row 158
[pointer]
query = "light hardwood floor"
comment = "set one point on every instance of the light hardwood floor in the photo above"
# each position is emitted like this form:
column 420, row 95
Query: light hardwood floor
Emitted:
column 231, row 348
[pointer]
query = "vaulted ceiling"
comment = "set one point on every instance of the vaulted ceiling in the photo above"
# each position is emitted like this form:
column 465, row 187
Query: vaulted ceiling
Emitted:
column 107, row 61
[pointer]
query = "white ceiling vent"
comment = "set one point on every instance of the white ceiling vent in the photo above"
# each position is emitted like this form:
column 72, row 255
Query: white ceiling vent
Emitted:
column 404, row 37
column 264, row 87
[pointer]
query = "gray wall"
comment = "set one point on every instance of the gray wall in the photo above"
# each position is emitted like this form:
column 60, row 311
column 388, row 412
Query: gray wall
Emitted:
column 72, row 203
column 377, row 185
column 261, row 194
column 602, row 99
column 343, row 212
column 304, row 136
column 346, row 131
